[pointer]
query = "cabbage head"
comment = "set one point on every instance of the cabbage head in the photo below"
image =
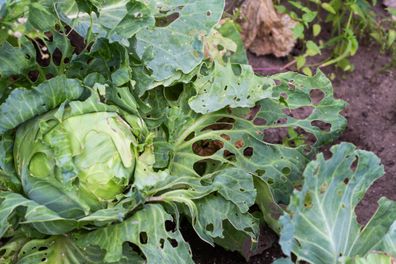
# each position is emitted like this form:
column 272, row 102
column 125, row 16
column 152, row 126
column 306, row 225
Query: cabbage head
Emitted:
column 67, row 158
column 77, row 164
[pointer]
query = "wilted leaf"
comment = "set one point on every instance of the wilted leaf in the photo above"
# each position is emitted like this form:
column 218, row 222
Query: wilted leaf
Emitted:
column 264, row 30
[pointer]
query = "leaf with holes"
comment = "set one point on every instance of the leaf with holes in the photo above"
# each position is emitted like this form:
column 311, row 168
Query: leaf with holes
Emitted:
column 180, row 47
column 222, row 87
column 116, row 20
column 321, row 225
column 198, row 144
column 157, row 243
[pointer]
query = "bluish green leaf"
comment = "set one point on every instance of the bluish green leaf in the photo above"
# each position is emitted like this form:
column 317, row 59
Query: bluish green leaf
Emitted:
column 160, row 47
column 322, row 225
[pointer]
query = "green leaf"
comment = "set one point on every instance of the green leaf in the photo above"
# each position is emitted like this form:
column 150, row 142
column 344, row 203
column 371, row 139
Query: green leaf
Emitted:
column 59, row 249
column 45, row 220
column 23, row 104
column 120, row 76
column 146, row 229
column 231, row 133
column 322, row 225
column 8, row 176
column 116, row 20
column 223, row 88
column 307, row 71
column 391, row 37
column 300, row 60
column 328, row 8
column 316, row 29
column 160, row 48
column 12, row 60
column 229, row 29
column 214, row 210
column 388, row 243
column 312, row 48
column 298, row 31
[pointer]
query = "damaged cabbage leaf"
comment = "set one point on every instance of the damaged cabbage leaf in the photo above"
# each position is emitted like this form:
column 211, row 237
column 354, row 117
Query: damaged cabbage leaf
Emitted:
column 175, row 44
column 321, row 225
column 241, row 137
column 116, row 20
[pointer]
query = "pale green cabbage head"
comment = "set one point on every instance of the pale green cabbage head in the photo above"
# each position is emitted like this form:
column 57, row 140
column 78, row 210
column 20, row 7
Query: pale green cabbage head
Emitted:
column 77, row 164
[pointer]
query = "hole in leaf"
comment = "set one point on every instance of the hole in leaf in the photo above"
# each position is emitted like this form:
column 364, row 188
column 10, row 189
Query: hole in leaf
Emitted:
column 210, row 227
column 316, row 96
column 165, row 21
column 321, row 125
column 299, row 113
column 281, row 121
column 354, row 164
column 206, row 148
column 275, row 135
column 200, row 167
column 259, row 121
column 221, row 124
column 173, row 242
column 170, row 226
column 42, row 248
column 346, row 180
column 57, row 57
column 209, row 13
column 33, row 75
column 248, row 152
column 162, row 242
column 143, row 238
column 172, row 93
column 191, row 136
column 308, row 138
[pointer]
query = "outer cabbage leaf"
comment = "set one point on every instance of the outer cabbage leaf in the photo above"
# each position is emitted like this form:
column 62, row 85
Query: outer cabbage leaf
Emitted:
column 49, row 222
column 146, row 229
column 58, row 249
column 322, row 225
column 214, row 210
column 12, row 60
column 8, row 177
column 241, row 137
column 388, row 243
column 159, row 48
column 222, row 196
column 221, row 87
column 116, row 20
column 23, row 104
